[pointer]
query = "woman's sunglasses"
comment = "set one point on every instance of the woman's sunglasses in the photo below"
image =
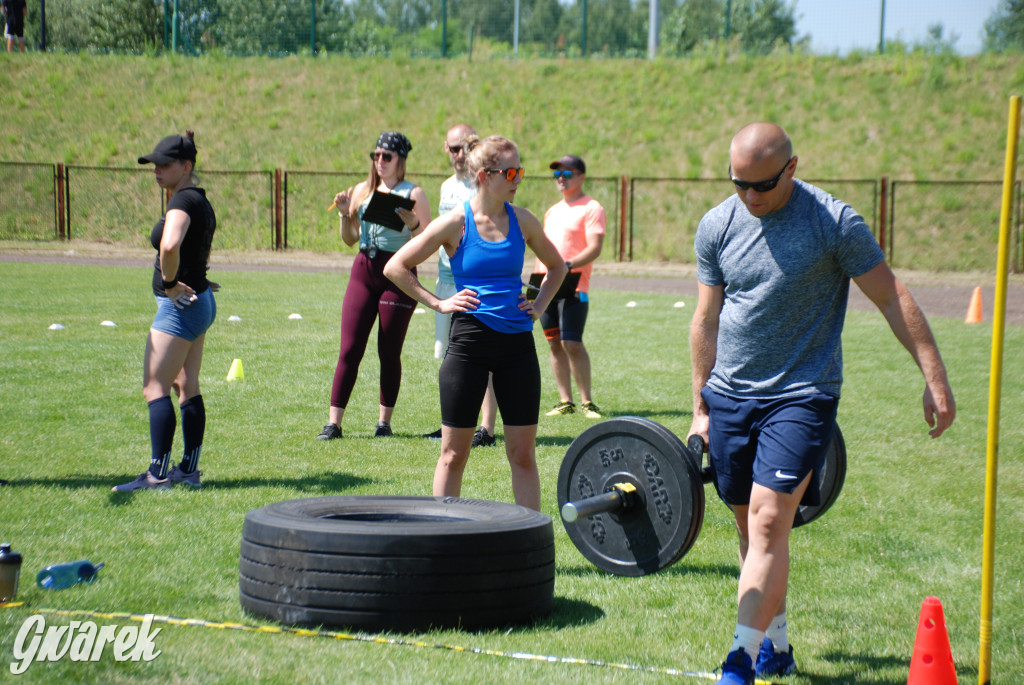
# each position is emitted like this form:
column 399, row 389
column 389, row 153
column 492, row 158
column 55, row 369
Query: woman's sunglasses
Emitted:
column 759, row 186
column 563, row 173
column 511, row 174
column 386, row 156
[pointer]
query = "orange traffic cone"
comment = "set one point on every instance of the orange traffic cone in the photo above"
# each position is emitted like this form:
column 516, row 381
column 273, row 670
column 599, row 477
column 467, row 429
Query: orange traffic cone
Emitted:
column 974, row 308
column 932, row 663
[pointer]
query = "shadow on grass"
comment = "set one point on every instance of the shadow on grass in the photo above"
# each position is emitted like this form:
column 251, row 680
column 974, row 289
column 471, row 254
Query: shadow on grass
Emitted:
column 322, row 483
column 566, row 613
column 856, row 665
column 680, row 569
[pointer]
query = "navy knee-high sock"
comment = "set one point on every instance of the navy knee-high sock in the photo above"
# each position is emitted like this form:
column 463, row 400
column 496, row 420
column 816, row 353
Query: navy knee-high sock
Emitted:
column 193, row 426
column 161, row 434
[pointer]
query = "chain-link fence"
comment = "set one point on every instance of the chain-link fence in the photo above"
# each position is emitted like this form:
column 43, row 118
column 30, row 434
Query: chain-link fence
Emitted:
column 115, row 205
column 934, row 225
column 28, row 201
column 308, row 226
column 949, row 225
column 665, row 212
column 437, row 28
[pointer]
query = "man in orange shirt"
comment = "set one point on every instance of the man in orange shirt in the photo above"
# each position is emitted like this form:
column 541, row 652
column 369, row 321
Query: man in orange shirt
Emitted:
column 576, row 226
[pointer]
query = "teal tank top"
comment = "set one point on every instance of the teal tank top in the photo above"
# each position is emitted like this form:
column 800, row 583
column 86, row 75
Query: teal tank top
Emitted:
column 382, row 237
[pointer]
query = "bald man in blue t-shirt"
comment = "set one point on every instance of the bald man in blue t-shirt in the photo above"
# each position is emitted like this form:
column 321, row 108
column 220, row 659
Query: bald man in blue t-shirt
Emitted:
column 774, row 264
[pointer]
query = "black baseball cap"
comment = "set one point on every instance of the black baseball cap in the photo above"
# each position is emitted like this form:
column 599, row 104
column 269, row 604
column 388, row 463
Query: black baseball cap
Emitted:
column 569, row 162
column 170, row 149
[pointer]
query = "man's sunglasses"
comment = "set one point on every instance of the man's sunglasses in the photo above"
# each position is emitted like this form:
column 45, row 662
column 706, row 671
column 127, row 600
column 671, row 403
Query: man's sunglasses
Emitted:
column 563, row 173
column 511, row 174
column 386, row 156
column 456, row 149
column 759, row 186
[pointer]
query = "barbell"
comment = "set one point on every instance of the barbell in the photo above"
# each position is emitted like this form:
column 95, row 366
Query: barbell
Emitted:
column 631, row 494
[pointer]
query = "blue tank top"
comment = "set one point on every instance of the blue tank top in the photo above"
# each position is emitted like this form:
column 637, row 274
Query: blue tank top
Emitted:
column 494, row 270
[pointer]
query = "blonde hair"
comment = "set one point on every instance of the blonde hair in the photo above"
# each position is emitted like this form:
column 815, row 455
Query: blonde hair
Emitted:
column 484, row 154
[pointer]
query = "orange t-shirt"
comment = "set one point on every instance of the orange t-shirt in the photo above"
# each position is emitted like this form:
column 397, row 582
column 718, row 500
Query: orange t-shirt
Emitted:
column 567, row 225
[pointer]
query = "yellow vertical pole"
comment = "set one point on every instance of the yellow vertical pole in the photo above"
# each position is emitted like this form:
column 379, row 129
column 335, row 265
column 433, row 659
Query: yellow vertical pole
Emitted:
column 995, row 386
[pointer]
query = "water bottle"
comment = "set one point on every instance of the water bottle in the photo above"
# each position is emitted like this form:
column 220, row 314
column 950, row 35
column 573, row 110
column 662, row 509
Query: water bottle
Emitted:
column 59, row 576
column 10, row 571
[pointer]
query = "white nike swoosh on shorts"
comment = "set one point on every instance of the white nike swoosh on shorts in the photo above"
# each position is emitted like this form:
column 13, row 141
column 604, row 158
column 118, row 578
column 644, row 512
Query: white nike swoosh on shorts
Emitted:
column 785, row 476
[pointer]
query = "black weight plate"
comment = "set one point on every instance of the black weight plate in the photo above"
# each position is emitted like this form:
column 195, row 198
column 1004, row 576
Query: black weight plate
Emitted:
column 830, row 481
column 639, row 451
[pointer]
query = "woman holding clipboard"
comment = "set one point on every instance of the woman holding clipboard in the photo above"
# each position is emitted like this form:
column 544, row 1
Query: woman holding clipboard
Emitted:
column 492, row 322
column 380, row 214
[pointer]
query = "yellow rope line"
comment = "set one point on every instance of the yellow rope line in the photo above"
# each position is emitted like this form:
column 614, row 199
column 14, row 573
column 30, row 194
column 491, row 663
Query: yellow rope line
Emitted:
column 372, row 639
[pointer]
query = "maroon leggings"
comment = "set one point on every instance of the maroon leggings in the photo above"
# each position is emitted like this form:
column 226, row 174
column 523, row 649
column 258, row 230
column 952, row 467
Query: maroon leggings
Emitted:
column 370, row 295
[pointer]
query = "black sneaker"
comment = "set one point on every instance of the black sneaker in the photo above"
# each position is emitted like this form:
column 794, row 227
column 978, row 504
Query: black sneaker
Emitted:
column 383, row 430
column 481, row 438
column 331, row 431
column 436, row 435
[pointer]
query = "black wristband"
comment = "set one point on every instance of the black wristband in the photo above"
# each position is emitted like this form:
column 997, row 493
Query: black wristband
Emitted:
column 167, row 285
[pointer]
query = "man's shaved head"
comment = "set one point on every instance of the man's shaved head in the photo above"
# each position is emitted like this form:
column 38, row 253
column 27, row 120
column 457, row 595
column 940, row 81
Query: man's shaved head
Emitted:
column 760, row 141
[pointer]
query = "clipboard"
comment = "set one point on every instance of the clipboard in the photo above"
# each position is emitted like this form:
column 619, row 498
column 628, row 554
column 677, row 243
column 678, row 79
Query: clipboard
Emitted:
column 566, row 290
column 381, row 210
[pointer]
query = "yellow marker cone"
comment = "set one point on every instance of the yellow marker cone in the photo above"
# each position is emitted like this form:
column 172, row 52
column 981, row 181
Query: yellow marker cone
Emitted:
column 974, row 308
column 236, row 373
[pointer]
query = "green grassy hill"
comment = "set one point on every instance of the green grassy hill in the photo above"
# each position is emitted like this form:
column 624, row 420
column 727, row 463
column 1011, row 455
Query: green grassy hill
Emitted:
column 908, row 116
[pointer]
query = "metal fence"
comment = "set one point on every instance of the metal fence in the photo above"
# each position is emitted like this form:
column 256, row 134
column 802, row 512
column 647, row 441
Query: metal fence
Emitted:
column 934, row 225
column 307, row 226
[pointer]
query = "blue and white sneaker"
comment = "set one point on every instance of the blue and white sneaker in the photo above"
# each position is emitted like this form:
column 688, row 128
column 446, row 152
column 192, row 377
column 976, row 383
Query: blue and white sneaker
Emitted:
column 738, row 669
column 770, row 662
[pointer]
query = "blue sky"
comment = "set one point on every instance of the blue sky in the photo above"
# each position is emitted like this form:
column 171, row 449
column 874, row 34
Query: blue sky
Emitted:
column 842, row 25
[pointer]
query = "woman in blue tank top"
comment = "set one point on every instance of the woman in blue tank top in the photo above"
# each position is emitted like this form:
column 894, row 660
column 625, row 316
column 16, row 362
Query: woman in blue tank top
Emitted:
column 492, row 321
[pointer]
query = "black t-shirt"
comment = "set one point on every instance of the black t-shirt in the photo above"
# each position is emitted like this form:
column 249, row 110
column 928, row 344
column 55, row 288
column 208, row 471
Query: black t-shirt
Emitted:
column 195, row 248
column 15, row 16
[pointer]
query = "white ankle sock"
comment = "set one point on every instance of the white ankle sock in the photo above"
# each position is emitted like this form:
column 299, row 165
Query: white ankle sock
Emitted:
column 777, row 633
column 748, row 638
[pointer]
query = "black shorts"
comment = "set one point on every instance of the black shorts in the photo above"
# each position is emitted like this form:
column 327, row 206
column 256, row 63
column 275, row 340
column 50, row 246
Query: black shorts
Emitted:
column 566, row 318
column 474, row 352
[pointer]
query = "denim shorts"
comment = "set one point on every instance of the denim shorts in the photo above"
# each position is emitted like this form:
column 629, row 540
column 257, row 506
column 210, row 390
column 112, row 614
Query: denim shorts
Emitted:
column 774, row 443
column 188, row 323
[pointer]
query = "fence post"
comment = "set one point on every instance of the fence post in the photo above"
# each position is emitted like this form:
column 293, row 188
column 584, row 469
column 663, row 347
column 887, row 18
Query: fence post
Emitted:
column 892, row 221
column 59, row 182
column 623, row 198
column 278, row 210
column 883, row 211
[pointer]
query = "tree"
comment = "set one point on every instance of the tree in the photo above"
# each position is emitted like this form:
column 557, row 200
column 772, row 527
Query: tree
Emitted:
column 1004, row 29
column 758, row 26
column 131, row 25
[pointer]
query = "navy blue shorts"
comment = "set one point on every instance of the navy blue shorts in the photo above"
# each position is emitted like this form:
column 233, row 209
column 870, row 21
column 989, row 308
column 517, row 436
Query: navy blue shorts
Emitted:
column 774, row 443
column 188, row 323
column 566, row 318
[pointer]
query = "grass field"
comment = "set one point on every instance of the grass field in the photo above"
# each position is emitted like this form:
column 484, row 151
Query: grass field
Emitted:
column 73, row 423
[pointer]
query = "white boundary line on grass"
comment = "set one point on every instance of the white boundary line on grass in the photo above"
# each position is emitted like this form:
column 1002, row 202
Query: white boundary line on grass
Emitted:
column 372, row 639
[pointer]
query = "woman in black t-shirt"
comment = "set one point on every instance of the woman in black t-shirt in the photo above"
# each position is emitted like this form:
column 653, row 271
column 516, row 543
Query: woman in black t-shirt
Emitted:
column 185, row 310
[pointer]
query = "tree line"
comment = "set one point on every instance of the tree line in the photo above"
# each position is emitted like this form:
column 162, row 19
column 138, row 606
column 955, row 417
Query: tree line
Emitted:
column 446, row 27
column 426, row 27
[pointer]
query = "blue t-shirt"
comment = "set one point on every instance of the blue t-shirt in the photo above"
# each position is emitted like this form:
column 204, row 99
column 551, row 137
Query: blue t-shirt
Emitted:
column 787, row 280
column 494, row 270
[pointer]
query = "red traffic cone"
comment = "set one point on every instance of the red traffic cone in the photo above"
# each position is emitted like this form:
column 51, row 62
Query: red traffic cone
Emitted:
column 932, row 663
